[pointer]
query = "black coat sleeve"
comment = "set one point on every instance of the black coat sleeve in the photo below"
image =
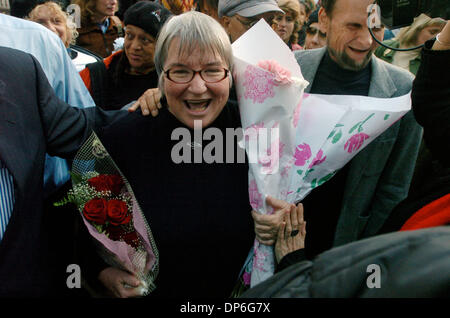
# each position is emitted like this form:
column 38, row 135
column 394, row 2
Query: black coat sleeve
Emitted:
column 431, row 101
column 291, row 259
column 66, row 127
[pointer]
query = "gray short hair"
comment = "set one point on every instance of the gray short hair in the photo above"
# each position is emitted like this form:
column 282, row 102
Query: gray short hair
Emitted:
column 195, row 30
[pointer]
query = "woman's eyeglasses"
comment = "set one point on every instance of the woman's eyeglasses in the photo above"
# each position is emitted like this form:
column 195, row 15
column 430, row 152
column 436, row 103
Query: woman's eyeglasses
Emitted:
column 183, row 75
column 313, row 31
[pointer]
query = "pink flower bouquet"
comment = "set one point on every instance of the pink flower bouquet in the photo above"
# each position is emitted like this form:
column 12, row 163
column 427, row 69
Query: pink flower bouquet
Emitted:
column 295, row 141
column 269, row 85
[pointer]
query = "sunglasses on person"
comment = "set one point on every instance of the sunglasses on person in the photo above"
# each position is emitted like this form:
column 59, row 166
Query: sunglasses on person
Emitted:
column 251, row 22
column 313, row 31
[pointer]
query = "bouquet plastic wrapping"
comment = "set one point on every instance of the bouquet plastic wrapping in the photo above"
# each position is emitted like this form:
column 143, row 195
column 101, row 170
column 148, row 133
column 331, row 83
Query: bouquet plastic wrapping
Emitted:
column 112, row 214
column 295, row 141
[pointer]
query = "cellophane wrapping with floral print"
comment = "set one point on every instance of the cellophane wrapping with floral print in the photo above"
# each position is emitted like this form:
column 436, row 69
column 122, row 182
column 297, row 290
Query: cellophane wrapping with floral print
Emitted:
column 302, row 139
column 128, row 246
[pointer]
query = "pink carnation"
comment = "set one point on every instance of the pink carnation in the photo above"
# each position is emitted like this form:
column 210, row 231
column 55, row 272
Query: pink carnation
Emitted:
column 282, row 75
column 258, row 84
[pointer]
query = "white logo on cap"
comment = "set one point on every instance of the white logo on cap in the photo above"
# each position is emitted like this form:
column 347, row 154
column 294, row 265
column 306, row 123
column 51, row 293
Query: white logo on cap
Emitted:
column 157, row 14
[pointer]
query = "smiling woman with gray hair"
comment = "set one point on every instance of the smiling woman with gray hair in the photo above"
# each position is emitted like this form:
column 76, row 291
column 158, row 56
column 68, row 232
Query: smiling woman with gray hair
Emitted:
column 193, row 191
column 190, row 34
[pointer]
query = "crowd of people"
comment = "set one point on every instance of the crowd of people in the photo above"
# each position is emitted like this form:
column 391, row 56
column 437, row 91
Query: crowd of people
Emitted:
column 60, row 81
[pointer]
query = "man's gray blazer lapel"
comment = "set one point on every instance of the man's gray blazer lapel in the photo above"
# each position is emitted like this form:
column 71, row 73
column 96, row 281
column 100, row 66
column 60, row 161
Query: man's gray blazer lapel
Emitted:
column 381, row 83
column 309, row 62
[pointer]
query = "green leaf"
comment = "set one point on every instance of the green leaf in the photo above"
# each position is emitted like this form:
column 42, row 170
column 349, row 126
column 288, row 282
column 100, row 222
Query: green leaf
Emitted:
column 337, row 137
column 308, row 172
column 68, row 199
column 334, row 130
column 370, row 116
column 331, row 134
column 386, row 116
column 313, row 183
column 76, row 177
column 360, row 126
column 99, row 228
column 300, row 172
column 354, row 127
column 326, row 178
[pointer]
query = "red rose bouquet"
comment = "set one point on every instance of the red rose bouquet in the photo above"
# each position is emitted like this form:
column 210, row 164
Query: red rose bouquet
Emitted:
column 112, row 215
column 108, row 210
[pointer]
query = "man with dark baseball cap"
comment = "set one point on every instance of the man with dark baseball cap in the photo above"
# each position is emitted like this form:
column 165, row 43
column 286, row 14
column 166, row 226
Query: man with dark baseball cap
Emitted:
column 237, row 16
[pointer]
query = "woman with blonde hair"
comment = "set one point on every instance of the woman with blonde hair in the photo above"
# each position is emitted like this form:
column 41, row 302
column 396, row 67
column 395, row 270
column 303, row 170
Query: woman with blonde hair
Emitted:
column 421, row 30
column 287, row 25
column 99, row 26
column 51, row 15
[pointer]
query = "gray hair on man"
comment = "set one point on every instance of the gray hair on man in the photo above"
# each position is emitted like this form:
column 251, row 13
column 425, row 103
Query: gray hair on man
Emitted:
column 194, row 30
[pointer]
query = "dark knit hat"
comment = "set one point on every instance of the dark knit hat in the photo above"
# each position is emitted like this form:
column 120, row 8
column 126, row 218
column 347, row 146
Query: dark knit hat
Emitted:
column 149, row 16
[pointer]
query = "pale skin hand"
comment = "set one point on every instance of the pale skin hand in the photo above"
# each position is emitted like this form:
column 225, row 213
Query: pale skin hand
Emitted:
column 444, row 37
column 149, row 102
column 286, row 243
column 115, row 280
column 267, row 226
